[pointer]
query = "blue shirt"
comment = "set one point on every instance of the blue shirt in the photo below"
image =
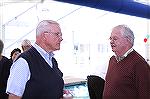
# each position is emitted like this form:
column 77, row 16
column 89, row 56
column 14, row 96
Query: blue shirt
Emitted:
column 20, row 72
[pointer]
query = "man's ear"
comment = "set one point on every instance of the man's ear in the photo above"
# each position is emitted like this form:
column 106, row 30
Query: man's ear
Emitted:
column 22, row 48
column 43, row 36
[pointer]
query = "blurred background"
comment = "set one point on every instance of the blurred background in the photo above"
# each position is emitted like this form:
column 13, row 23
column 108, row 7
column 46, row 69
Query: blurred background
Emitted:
column 85, row 49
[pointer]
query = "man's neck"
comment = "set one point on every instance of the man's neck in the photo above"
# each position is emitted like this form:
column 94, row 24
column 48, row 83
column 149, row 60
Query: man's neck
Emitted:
column 119, row 58
column 123, row 52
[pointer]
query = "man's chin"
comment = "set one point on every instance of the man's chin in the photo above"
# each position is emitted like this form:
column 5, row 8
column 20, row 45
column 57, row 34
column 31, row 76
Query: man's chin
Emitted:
column 58, row 48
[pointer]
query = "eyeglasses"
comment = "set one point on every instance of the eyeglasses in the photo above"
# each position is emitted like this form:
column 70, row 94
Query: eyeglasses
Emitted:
column 113, row 38
column 58, row 34
column 117, row 38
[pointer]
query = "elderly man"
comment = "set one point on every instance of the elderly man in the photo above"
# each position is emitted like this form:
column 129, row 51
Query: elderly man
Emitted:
column 35, row 74
column 128, row 75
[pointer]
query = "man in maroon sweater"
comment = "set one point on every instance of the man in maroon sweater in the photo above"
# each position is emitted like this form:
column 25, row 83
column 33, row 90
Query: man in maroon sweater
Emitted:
column 128, row 75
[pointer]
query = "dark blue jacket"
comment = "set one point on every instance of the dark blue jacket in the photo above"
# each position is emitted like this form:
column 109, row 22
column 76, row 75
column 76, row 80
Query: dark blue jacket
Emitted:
column 45, row 82
column 5, row 65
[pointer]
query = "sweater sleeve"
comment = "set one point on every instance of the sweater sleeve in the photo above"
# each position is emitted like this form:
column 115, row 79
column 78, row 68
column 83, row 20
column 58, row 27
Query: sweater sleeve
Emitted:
column 142, row 73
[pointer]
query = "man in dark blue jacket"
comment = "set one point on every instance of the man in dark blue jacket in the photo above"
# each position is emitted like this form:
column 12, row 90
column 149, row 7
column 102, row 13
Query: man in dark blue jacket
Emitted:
column 35, row 74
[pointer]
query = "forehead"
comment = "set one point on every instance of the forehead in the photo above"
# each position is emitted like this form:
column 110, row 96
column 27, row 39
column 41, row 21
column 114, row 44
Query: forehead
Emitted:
column 53, row 27
column 16, row 52
column 116, row 32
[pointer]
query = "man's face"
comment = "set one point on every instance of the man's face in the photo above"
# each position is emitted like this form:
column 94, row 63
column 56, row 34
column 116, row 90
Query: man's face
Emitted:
column 118, row 42
column 53, row 37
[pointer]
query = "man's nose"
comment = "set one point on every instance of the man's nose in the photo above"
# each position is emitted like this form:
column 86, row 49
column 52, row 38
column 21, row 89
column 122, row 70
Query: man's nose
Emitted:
column 60, row 38
column 111, row 41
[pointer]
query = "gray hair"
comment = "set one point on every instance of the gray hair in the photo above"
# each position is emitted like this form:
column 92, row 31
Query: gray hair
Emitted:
column 26, row 42
column 43, row 26
column 127, row 32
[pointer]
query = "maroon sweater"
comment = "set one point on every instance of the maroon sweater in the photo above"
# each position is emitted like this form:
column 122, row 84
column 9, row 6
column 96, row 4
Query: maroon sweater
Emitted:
column 128, row 79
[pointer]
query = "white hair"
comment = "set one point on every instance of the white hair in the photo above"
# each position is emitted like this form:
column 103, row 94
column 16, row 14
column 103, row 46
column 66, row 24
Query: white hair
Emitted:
column 127, row 32
column 26, row 42
column 43, row 26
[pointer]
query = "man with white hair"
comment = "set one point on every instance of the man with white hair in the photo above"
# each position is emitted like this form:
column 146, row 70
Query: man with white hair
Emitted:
column 35, row 74
column 128, row 75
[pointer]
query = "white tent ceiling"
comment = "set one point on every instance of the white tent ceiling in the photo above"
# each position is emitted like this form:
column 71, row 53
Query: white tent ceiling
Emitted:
column 20, row 19
column 80, row 25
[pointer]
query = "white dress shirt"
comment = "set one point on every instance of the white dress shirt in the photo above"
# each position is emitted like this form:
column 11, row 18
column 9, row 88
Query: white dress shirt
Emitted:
column 20, row 73
column 125, row 55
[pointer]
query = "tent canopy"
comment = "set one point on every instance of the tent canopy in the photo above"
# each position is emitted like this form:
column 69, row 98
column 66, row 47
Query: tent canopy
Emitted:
column 129, row 7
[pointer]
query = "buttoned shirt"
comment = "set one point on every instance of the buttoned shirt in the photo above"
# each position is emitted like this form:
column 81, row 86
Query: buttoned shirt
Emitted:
column 20, row 72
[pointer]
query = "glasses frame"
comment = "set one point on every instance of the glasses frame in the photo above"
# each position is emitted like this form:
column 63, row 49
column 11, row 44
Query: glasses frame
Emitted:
column 57, row 34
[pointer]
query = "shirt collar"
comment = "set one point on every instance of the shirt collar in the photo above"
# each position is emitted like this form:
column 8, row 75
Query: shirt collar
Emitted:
column 125, row 55
column 128, row 52
column 51, row 54
column 43, row 52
